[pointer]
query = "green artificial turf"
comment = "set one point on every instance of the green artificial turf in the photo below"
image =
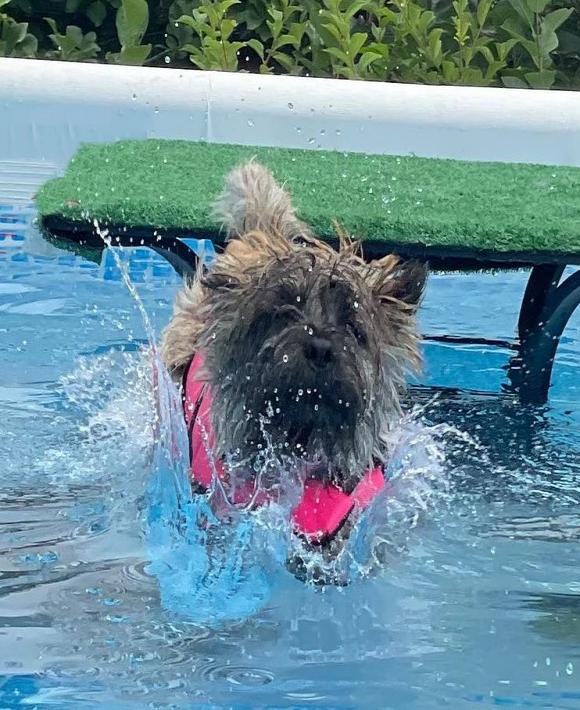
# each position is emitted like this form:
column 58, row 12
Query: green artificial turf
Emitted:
column 437, row 204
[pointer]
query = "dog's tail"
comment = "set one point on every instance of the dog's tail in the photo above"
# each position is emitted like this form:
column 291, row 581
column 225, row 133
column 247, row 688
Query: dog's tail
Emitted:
column 253, row 200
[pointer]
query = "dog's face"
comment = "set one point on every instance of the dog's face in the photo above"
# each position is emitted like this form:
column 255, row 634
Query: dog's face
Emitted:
column 307, row 349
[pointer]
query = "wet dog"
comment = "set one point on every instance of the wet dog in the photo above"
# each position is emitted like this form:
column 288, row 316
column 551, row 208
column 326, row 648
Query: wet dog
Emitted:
column 305, row 347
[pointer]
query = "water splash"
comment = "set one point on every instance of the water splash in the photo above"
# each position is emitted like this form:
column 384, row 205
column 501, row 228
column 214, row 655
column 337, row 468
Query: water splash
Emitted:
column 211, row 572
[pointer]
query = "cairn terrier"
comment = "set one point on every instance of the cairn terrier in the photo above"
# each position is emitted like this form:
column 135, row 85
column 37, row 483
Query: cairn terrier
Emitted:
column 306, row 347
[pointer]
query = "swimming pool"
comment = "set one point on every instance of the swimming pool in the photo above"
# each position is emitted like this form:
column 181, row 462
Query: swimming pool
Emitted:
column 479, row 606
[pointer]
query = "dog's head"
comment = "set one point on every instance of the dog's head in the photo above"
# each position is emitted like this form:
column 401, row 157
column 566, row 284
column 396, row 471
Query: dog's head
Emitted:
column 306, row 346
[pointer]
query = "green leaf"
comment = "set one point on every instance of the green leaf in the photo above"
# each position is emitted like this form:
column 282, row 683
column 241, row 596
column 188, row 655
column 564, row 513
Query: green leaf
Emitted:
column 188, row 20
column 285, row 40
column 51, row 22
column 553, row 20
column 257, row 46
column 513, row 82
column 225, row 5
column 547, row 42
column 16, row 32
column 537, row 6
column 338, row 54
column 523, row 9
column 277, row 22
column 334, row 31
column 541, row 79
column 355, row 7
column 368, row 58
column 513, row 29
column 28, row 47
column 132, row 21
column 134, row 56
column 75, row 34
column 284, row 61
column 227, row 27
column 483, row 9
column 356, row 43
column 504, row 48
column 96, row 12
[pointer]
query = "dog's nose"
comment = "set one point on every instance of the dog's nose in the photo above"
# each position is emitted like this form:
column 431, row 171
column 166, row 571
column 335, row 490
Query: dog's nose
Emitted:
column 318, row 351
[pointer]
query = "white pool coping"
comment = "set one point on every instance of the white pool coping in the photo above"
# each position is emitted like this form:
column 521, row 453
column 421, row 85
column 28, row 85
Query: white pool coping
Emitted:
column 48, row 108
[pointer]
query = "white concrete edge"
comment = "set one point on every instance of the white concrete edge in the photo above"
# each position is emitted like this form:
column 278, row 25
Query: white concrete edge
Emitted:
column 47, row 109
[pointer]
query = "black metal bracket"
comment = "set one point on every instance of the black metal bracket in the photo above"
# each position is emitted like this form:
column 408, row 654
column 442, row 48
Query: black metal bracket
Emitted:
column 546, row 309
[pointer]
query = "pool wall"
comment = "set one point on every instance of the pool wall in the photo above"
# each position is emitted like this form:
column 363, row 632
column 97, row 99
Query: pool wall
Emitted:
column 48, row 108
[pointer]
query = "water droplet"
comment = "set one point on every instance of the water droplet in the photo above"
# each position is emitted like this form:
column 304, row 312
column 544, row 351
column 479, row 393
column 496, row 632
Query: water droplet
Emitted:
column 311, row 141
column 322, row 131
column 298, row 299
column 213, row 337
column 167, row 60
column 310, row 331
column 570, row 668
column 290, row 106
column 277, row 410
column 156, row 109
column 134, row 97
column 355, row 304
column 316, row 407
column 285, row 358
column 250, row 123
column 338, row 131
column 298, row 129
column 300, row 393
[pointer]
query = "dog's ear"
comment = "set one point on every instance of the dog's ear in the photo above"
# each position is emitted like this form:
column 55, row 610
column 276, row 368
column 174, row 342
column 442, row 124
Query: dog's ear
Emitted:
column 400, row 280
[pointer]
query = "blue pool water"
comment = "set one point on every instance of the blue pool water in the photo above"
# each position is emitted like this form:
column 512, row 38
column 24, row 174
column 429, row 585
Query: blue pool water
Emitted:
column 478, row 605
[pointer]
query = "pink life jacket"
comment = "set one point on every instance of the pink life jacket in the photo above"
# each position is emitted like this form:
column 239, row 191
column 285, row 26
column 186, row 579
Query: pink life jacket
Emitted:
column 323, row 507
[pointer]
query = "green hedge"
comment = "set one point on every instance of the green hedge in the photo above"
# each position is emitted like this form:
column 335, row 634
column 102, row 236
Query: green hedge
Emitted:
column 516, row 43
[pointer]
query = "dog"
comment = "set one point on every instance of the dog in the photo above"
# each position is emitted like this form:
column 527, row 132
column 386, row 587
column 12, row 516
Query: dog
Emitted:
column 306, row 347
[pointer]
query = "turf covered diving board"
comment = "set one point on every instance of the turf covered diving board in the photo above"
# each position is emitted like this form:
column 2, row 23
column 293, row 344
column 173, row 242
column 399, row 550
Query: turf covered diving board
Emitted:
column 464, row 213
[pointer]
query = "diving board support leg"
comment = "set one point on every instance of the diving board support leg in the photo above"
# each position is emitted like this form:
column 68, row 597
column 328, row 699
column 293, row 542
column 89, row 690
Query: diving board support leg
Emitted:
column 543, row 279
column 546, row 309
